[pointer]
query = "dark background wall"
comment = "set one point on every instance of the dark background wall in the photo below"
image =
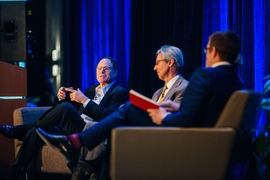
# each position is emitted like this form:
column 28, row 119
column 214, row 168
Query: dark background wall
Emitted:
column 157, row 23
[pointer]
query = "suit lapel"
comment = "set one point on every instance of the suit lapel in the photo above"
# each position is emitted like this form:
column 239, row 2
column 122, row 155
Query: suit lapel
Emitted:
column 90, row 93
column 173, row 88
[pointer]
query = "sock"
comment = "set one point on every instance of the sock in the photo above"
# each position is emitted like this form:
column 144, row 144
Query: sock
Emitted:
column 75, row 140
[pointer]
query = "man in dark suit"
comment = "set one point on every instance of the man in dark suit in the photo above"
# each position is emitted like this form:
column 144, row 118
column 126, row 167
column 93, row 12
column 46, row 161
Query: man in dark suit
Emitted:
column 203, row 100
column 97, row 102
column 169, row 65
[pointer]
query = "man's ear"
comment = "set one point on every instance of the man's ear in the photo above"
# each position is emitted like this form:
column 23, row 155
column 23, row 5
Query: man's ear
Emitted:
column 115, row 73
column 214, row 49
column 171, row 62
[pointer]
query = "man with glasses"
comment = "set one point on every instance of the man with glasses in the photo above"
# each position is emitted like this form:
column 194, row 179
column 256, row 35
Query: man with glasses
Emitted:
column 207, row 93
column 70, row 115
column 168, row 65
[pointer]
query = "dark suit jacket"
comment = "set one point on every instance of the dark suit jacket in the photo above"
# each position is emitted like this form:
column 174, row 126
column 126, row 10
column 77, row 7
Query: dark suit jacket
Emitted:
column 205, row 97
column 111, row 101
column 175, row 92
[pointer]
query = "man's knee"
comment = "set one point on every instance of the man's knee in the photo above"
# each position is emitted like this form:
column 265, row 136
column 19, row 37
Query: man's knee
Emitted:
column 89, row 124
column 66, row 105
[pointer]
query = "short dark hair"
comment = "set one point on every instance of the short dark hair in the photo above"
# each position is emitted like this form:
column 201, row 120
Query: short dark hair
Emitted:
column 228, row 45
column 114, row 63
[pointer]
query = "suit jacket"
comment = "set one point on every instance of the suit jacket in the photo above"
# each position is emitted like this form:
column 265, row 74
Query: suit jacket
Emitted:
column 175, row 92
column 205, row 97
column 111, row 101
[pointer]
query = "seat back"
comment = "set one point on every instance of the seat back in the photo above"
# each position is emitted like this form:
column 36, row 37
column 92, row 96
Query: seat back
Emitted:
column 241, row 113
column 232, row 114
column 183, row 153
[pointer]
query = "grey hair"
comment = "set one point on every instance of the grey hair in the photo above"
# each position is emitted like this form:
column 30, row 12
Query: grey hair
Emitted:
column 171, row 52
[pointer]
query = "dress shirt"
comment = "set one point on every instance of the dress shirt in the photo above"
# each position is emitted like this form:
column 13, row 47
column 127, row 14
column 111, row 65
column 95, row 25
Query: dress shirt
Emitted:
column 170, row 84
column 99, row 94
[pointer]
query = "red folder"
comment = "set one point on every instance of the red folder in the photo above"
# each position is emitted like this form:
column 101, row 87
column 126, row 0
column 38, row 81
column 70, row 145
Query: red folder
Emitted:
column 142, row 101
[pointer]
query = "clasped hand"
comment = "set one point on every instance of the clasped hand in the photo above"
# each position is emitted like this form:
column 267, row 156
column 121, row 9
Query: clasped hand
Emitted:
column 75, row 95
column 166, row 107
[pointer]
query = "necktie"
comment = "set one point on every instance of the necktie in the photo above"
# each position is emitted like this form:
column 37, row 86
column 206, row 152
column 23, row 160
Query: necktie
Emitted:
column 163, row 93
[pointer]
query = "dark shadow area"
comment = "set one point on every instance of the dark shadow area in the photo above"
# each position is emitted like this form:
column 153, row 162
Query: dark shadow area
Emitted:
column 44, row 176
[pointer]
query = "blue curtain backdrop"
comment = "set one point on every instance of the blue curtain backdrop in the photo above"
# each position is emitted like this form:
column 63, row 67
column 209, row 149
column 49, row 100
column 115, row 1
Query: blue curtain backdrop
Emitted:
column 251, row 20
column 105, row 31
column 187, row 24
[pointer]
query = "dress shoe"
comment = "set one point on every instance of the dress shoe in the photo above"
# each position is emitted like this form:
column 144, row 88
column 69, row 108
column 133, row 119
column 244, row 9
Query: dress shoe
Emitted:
column 93, row 165
column 12, row 132
column 94, row 176
column 15, row 173
column 58, row 142
column 87, row 166
column 78, row 174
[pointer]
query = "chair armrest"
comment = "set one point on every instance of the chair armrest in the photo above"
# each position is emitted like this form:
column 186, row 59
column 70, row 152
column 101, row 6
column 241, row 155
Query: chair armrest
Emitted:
column 28, row 114
column 170, row 153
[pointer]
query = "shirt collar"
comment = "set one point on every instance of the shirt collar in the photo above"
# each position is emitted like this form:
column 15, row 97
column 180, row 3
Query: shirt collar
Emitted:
column 220, row 64
column 172, row 81
column 104, row 89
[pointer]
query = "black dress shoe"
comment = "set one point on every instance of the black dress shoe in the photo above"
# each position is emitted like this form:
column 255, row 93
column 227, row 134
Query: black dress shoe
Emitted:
column 12, row 132
column 58, row 142
column 91, row 166
column 78, row 174
column 15, row 173
column 87, row 166
column 94, row 176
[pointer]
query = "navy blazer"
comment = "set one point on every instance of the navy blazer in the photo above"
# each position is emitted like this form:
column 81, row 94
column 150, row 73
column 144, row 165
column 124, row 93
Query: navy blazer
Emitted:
column 205, row 96
column 114, row 97
column 111, row 101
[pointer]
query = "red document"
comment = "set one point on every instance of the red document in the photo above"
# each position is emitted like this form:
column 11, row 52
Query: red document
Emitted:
column 141, row 101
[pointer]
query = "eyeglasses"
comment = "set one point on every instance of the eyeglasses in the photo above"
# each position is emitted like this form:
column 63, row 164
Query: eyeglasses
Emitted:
column 157, row 61
column 207, row 48
column 103, row 68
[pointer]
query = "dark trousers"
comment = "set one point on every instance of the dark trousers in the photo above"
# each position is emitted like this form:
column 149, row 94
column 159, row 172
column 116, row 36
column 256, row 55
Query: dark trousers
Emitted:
column 64, row 114
column 127, row 115
column 60, row 119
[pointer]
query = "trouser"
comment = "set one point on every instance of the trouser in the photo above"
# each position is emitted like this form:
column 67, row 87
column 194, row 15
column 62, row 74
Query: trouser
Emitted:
column 65, row 114
column 127, row 115
column 94, row 153
column 60, row 119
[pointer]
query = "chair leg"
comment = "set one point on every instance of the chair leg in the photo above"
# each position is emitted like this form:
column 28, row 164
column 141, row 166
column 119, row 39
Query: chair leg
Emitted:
column 26, row 176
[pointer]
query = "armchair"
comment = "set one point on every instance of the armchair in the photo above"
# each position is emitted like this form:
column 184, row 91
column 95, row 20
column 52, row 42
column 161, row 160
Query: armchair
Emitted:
column 49, row 160
column 186, row 153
